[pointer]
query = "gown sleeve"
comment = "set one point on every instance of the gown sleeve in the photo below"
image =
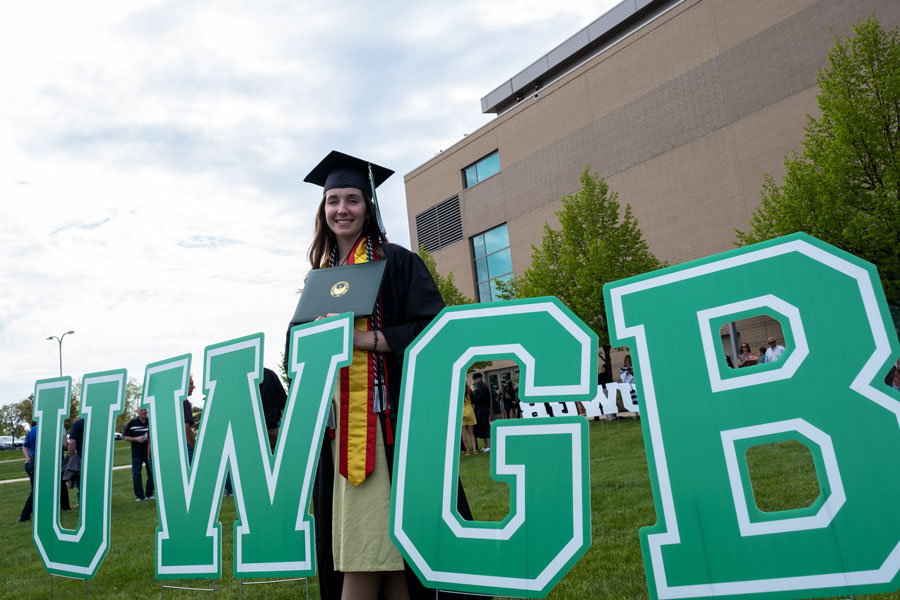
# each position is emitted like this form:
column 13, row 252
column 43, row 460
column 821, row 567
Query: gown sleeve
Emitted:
column 414, row 299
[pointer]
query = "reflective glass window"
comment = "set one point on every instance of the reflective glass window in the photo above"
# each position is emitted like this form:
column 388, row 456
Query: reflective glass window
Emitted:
column 494, row 285
column 478, row 245
column 484, row 292
column 489, row 165
column 481, row 170
column 481, row 270
column 496, row 239
column 471, row 176
column 499, row 263
column 493, row 260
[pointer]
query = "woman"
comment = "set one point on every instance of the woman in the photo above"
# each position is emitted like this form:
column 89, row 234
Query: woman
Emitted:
column 510, row 400
column 746, row 357
column 468, row 424
column 356, row 557
column 626, row 372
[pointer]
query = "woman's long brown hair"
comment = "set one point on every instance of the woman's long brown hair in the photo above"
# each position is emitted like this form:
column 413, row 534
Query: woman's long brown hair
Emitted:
column 324, row 240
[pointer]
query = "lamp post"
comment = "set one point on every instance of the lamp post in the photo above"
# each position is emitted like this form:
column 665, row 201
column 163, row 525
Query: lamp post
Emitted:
column 60, row 340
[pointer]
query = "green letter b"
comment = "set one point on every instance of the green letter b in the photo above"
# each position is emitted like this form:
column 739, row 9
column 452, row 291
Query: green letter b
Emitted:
column 700, row 417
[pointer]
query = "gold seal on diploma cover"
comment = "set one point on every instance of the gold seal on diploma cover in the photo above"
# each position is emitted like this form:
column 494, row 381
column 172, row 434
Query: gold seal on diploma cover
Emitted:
column 340, row 288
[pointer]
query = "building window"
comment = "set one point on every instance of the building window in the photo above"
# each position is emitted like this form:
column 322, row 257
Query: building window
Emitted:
column 492, row 261
column 481, row 170
column 440, row 225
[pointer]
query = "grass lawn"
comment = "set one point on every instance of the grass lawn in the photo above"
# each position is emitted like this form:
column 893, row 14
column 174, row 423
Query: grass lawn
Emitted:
column 621, row 503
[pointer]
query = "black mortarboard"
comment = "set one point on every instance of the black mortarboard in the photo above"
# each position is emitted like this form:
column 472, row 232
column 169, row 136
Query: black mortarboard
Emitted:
column 339, row 170
column 342, row 170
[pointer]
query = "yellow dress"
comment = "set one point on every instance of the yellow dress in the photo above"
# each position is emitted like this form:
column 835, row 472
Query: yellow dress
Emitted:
column 468, row 416
column 361, row 517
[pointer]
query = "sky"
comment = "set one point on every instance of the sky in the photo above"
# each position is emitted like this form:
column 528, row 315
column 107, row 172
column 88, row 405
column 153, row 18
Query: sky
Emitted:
column 152, row 156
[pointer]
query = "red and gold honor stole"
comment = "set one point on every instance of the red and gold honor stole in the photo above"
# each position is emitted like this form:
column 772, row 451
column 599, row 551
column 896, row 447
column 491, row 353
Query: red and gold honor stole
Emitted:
column 361, row 395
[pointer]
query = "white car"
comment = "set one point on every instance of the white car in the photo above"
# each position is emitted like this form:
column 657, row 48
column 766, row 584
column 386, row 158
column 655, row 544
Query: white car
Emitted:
column 6, row 442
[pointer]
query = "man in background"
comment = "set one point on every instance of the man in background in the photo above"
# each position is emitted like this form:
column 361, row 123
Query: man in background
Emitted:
column 137, row 431
column 28, row 449
column 72, row 464
column 774, row 351
column 189, row 436
column 273, row 397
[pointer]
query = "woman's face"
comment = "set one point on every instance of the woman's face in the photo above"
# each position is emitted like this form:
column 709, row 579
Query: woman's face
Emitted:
column 745, row 348
column 345, row 212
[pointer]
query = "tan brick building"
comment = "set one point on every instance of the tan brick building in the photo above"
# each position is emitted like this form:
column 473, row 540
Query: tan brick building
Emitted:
column 682, row 105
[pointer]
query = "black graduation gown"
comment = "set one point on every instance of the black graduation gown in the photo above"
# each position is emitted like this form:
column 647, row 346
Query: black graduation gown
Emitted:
column 409, row 301
column 481, row 401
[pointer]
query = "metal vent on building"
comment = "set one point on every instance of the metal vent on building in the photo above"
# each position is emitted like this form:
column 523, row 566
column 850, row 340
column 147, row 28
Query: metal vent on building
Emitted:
column 440, row 225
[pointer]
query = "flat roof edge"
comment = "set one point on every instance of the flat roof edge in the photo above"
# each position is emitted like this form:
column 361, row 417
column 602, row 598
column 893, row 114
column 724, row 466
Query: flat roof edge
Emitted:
column 560, row 58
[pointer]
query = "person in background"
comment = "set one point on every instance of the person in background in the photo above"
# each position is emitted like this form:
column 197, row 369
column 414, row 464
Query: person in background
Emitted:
column 468, row 422
column 75, row 457
column 63, row 489
column 893, row 376
column 137, row 431
column 29, row 449
column 510, row 400
column 774, row 351
column 481, row 400
column 273, row 398
column 604, row 376
column 189, row 436
column 626, row 375
column 762, row 355
column 746, row 358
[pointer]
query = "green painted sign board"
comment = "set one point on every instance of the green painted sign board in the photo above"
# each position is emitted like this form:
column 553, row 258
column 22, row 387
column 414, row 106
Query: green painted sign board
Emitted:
column 699, row 419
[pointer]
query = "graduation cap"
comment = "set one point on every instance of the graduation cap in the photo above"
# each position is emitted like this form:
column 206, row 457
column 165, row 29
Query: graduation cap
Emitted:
column 339, row 170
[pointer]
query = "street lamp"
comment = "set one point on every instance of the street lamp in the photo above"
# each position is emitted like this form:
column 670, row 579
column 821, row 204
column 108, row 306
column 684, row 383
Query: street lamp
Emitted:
column 60, row 340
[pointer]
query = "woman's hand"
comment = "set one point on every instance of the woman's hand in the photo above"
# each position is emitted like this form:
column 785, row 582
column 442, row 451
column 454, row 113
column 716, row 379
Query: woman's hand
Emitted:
column 327, row 316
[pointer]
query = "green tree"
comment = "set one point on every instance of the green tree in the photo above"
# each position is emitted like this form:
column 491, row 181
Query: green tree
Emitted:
column 15, row 418
column 446, row 286
column 74, row 406
column 24, row 410
column 844, row 187
column 451, row 295
column 133, row 392
column 7, row 419
column 594, row 246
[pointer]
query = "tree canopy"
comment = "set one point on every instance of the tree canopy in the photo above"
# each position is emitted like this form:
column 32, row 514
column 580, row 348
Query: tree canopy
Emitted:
column 446, row 286
column 15, row 418
column 844, row 187
column 451, row 295
column 597, row 243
